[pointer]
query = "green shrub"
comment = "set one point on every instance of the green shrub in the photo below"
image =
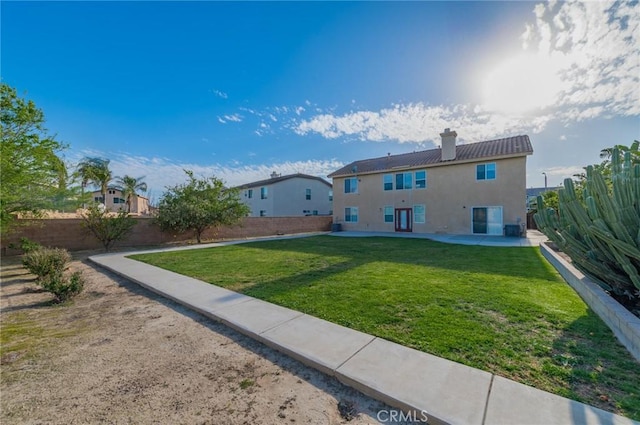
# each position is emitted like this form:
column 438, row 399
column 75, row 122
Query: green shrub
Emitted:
column 107, row 228
column 44, row 262
column 50, row 264
column 63, row 287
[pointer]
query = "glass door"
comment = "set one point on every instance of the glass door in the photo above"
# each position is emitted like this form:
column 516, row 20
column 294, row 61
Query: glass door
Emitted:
column 404, row 219
column 487, row 220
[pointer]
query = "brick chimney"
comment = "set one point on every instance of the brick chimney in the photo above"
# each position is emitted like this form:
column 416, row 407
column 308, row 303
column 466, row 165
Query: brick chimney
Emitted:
column 448, row 152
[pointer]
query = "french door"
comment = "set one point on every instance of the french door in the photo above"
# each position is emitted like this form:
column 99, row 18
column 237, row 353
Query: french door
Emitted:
column 404, row 219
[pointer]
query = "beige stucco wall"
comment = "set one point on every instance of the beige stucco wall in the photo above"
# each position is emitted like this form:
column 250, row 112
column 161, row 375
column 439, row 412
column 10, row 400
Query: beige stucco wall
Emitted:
column 287, row 198
column 452, row 190
column 139, row 204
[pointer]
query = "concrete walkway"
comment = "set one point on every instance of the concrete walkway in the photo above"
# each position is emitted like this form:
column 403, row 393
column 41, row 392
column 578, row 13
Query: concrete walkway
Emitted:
column 534, row 238
column 414, row 381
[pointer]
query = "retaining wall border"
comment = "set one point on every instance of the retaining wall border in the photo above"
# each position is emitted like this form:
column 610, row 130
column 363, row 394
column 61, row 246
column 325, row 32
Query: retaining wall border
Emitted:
column 624, row 325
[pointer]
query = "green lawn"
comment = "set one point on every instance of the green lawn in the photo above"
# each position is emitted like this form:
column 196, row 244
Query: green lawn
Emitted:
column 503, row 310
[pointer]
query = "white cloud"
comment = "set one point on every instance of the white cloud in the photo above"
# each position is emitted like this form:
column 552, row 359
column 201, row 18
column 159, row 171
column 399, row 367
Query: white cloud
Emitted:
column 596, row 46
column 233, row 117
column 220, row 94
column 160, row 173
column 563, row 172
column 419, row 123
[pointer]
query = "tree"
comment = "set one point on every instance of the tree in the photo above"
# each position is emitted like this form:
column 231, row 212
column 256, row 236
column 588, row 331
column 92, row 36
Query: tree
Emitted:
column 198, row 205
column 95, row 171
column 107, row 228
column 31, row 171
column 633, row 149
column 130, row 187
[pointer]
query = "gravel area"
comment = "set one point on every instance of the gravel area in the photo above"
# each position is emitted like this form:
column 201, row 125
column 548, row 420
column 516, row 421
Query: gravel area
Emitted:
column 121, row 354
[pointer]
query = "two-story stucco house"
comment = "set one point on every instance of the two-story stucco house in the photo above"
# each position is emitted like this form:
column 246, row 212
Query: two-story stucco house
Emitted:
column 116, row 201
column 287, row 196
column 475, row 188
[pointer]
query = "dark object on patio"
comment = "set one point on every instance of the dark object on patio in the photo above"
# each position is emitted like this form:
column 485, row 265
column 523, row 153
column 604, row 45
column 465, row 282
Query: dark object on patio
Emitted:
column 512, row 230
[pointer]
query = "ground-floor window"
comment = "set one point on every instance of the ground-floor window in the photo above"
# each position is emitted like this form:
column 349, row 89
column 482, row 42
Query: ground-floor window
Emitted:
column 388, row 214
column 351, row 214
column 263, row 213
column 487, row 220
column 418, row 214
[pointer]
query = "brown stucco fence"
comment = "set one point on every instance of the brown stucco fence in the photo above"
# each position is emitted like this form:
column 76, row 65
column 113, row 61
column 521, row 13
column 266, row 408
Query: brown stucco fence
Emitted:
column 69, row 233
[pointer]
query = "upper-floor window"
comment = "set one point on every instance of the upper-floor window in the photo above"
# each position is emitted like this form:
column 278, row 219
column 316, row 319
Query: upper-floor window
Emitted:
column 263, row 193
column 351, row 185
column 404, row 181
column 250, row 193
column 421, row 179
column 331, row 195
column 387, row 182
column 486, row 171
column 307, row 194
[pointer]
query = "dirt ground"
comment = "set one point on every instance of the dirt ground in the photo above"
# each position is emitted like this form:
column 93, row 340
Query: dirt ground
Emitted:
column 121, row 354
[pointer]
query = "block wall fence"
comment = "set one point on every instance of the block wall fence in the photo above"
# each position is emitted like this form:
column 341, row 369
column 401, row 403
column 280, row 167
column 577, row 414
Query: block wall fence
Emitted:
column 68, row 233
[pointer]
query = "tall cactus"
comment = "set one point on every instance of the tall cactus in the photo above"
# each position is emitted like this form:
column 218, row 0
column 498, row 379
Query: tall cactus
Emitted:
column 600, row 230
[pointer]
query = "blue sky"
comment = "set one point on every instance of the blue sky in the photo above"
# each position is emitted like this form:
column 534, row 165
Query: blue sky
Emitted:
column 241, row 89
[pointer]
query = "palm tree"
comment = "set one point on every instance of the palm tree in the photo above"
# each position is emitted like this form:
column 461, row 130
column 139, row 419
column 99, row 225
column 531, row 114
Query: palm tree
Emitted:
column 129, row 186
column 95, row 171
column 633, row 149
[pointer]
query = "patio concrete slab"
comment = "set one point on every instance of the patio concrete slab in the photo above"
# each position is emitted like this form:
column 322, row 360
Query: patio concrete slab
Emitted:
column 534, row 238
column 449, row 392
column 514, row 403
column 315, row 342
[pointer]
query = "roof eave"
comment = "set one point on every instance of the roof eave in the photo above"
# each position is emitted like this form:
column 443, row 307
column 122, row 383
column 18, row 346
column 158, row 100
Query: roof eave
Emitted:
column 435, row 164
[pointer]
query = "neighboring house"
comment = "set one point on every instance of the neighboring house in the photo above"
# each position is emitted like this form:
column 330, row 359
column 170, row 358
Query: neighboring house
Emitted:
column 532, row 195
column 475, row 188
column 116, row 202
column 292, row 195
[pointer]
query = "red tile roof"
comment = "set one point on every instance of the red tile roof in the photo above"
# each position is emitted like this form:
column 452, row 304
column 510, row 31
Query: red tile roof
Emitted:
column 507, row 147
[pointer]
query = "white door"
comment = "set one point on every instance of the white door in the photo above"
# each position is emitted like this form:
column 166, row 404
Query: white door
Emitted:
column 494, row 220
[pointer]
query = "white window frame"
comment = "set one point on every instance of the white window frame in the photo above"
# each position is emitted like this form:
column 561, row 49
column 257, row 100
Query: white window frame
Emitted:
column 404, row 180
column 416, row 179
column 419, row 217
column 348, row 218
column 486, row 171
column 384, row 213
column 384, row 182
column 353, row 185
